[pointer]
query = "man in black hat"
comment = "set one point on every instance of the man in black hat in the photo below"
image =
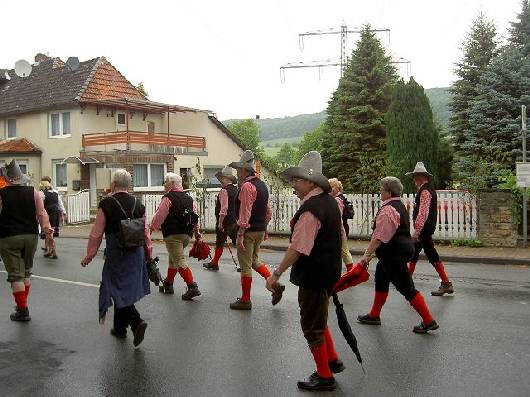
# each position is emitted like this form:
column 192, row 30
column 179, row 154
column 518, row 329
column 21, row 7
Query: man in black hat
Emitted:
column 21, row 210
column 225, row 215
column 315, row 256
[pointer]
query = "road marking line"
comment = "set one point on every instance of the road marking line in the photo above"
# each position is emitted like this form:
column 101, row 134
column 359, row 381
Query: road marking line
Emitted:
column 60, row 280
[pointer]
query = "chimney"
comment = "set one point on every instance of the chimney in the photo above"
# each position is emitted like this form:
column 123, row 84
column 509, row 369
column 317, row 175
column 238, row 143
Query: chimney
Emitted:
column 41, row 57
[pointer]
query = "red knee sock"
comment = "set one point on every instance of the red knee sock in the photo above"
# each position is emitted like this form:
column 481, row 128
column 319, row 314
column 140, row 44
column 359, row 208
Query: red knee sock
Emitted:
column 418, row 303
column 320, row 355
column 186, row 275
column 439, row 266
column 349, row 266
column 217, row 255
column 246, row 283
column 379, row 301
column 20, row 299
column 412, row 267
column 264, row 271
column 330, row 346
column 26, row 289
column 171, row 273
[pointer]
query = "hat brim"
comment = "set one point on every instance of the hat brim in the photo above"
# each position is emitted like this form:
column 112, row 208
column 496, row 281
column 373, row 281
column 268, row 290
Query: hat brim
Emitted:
column 242, row 165
column 315, row 177
column 22, row 180
column 418, row 173
column 220, row 175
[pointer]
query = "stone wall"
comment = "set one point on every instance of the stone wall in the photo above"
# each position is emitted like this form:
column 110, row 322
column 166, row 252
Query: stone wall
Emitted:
column 497, row 225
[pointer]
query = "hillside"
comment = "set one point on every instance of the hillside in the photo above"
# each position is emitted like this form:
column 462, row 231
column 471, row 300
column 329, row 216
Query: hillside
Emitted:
column 296, row 126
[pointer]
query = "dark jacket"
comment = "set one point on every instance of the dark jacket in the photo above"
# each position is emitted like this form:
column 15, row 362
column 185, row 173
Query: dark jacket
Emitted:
column 400, row 246
column 431, row 221
column 258, row 216
column 175, row 222
column 19, row 214
column 231, row 215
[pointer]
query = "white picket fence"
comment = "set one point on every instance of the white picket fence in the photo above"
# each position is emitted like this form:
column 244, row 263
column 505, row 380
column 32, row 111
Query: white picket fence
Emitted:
column 457, row 213
column 78, row 207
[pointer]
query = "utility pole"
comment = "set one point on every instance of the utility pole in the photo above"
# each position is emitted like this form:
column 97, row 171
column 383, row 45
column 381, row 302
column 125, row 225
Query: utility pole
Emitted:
column 343, row 62
column 525, row 190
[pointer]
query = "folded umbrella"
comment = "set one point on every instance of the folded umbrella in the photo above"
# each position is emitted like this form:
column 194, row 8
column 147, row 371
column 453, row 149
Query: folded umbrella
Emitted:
column 357, row 275
column 345, row 328
column 199, row 250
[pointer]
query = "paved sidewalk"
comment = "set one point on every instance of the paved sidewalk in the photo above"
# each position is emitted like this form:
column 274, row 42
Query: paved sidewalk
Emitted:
column 489, row 255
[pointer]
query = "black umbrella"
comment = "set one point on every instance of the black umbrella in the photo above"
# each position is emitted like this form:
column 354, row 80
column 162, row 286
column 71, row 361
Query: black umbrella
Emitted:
column 346, row 329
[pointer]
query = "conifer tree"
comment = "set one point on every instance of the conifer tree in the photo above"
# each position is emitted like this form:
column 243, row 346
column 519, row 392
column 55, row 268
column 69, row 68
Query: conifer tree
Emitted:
column 354, row 145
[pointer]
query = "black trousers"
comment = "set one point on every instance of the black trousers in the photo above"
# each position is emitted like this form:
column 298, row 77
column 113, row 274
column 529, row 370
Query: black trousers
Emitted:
column 126, row 316
column 313, row 303
column 230, row 230
column 397, row 273
column 425, row 242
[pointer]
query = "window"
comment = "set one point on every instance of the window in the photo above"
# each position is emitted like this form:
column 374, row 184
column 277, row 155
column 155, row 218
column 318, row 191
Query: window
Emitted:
column 23, row 166
column 148, row 175
column 59, row 174
column 60, row 124
column 11, row 128
column 121, row 118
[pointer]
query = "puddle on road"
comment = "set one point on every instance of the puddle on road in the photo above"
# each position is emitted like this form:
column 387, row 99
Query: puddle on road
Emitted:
column 36, row 359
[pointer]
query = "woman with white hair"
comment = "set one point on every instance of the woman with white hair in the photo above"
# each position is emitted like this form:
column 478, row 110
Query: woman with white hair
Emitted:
column 124, row 277
column 392, row 244
column 176, row 216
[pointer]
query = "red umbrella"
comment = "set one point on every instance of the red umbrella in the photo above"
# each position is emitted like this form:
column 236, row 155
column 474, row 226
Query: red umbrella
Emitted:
column 357, row 275
column 199, row 250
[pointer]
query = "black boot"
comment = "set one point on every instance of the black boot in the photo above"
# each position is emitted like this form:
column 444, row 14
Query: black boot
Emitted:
column 211, row 266
column 167, row 287
column 20, row 314
column 139, row 333
column 193, row 290
column 316, row 382
column 336, row 366
column 278, row 293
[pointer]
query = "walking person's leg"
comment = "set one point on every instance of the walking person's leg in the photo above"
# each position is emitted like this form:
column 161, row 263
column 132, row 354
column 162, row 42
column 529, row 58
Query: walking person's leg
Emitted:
column 184, row 270
column 446, row 287
column 245, row 259
column 418, row 246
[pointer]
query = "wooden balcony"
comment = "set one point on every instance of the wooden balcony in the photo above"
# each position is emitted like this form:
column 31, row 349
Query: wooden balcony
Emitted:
column 154, row 140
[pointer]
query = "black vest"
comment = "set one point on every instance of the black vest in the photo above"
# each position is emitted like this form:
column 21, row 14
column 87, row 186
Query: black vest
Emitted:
column 231, row 215
column 19, row 215
column 259, row 207
column 321, row 269
column 114, row 214
column 173, row 222
column 432, row 219
column 51, row 201
column 400, row 246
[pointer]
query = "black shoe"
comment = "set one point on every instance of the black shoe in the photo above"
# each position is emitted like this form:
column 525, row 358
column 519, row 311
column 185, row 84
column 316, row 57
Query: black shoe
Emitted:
column 336, row 366
column 193, row 291
column 119, row 335
column 54, row 256
column 277, row 294
column 445, row 288
column 240, row 305
column 423, row 329
column 47, row 255
column 366, row 319
column 166, row 288
column 20, row 314
column 139, row 333
column 316, row 382
column 211, row 266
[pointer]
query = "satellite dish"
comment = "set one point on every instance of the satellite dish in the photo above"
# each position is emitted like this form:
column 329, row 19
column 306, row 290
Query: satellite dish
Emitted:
column 22, row 68
column 72, row 64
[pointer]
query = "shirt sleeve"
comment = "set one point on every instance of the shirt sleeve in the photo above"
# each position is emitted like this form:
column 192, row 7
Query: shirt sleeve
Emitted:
column 247, row 196
column 96, row 235
column 148, row 244
column 387, row 222
column 304, row 233
column 61, row 205
column 223, row 199
column 42, row 215
column 161, row 213
column 423, row 212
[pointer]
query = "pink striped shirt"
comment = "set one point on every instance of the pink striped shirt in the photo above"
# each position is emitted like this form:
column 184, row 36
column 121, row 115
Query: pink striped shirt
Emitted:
column 223, row 200
column 341, row 209
column 386, row 222
column 98, row 229
column 163, row 211
column 247, row 196
column 423, row 212
column 306, row 229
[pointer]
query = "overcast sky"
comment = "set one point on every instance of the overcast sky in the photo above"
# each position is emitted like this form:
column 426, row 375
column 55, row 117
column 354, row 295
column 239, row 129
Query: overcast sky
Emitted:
column 225, row 55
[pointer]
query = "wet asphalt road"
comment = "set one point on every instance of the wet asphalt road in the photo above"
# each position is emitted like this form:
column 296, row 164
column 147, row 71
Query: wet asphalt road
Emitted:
column 202, row 348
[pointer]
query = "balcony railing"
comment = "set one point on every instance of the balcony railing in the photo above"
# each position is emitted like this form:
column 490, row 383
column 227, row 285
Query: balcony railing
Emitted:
column 146, row 138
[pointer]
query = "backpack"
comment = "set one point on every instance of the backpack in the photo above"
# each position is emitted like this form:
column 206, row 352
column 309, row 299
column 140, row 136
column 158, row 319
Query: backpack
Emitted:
column 186, row 218
column 132, row 230
column 348, row 211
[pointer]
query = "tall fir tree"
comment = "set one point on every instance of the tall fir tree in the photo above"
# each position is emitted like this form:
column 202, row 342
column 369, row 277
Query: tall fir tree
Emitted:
column 412, row 135
column 354, row 145
column 479, row 48
column 495, row 113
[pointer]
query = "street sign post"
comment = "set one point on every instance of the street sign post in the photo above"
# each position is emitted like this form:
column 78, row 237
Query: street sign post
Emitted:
column 524, row 169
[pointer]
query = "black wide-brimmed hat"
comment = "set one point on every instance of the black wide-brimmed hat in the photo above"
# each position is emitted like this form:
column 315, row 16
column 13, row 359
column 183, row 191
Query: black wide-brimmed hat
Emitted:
column 13, row 174
column 310, row 169
column 247, row 162
column 227, row 173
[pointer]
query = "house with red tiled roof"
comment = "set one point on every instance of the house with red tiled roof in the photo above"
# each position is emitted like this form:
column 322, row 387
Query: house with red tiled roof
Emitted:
column 77, row 121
